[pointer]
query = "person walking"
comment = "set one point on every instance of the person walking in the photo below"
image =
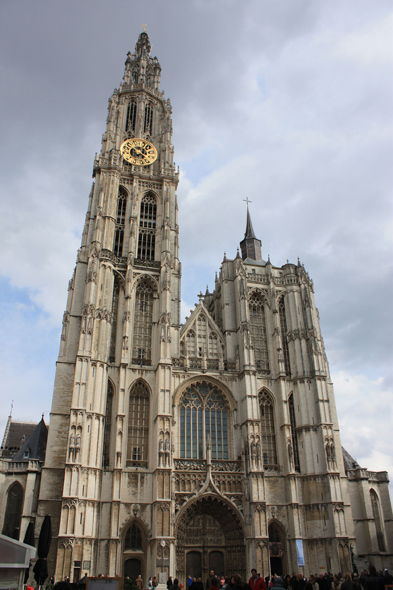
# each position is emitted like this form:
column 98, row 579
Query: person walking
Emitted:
column 256, row 582
column 209, row 580
column 278, row 583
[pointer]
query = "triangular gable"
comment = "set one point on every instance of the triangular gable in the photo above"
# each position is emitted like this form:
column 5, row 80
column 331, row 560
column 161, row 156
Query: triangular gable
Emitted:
column 191, row 322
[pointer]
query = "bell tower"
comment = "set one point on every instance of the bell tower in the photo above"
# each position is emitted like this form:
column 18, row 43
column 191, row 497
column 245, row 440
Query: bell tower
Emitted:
column 111, row 408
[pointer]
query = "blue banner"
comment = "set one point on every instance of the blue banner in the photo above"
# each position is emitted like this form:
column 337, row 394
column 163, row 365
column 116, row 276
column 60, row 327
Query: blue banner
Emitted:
column 299, row 551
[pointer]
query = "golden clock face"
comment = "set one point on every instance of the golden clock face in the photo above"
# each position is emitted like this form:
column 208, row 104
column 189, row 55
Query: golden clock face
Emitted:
column 138, row 151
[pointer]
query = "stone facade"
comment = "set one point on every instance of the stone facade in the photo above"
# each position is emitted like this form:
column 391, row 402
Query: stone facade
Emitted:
column 175, row 448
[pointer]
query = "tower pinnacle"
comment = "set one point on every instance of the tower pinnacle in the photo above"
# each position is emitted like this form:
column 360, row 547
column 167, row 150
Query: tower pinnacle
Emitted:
column 250, row 246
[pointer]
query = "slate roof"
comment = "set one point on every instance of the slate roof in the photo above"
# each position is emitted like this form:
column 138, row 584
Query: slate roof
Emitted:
column 349, row 462
column 18, row 433
column 35, row 445
column 249, row 233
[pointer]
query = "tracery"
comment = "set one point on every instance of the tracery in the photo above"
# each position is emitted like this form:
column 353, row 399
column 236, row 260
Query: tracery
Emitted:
column 203, row 419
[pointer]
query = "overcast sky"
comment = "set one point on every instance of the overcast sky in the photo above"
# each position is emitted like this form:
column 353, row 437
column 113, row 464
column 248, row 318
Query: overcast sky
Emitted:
column 288, row 103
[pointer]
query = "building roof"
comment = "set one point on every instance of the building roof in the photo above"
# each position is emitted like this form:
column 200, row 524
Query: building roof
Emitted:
column 349, row 462
column 35, row 445
column 16, row 434
column 249, row 233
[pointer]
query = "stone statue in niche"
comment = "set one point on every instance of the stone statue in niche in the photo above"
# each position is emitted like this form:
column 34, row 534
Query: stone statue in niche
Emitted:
column 161, row 453
column 328, row 454
column 167, row 453
column 333, row 452
column 254, row 453
column 259, row 454
column 71, row 447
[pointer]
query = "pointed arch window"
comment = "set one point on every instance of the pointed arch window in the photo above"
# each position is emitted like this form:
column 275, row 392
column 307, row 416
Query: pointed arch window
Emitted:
column 269, row 451
column 133, row 539
column 148, row 126
column 138, row 425
column 108, row 424
column 284, row 340
column 376, row 507
column 147, row 228
column 190, row 343
column 143, row 318
column 120, row 221
column 259, row 335
column 131, row 114
column 115, row 305
column 204, row 412
column 13, row 511
column 213, row 345
column 294, row 433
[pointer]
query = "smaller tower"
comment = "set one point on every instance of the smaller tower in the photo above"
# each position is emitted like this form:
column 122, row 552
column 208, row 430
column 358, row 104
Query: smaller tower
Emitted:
column 250, row 246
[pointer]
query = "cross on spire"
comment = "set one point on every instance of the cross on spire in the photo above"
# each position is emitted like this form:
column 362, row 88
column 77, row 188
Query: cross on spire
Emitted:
column 247, row 200
column 144, row 28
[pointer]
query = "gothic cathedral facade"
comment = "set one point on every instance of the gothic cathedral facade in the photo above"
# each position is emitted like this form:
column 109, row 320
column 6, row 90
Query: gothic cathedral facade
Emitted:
column 177, row 449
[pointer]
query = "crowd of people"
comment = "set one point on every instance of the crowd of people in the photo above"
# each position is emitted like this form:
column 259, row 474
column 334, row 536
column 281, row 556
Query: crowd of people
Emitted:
column 367, row 580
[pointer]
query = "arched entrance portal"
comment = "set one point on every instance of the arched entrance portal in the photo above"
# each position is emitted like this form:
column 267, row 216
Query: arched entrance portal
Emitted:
column 132, row 568
column 277, row 547
column 210, row 536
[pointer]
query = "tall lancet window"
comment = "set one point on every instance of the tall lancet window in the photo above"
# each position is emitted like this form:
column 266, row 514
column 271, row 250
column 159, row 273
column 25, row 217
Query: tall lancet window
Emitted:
column 108, row 423
column 204, row 414
column 141, row 350
column 120, row 220
column 13, row 511
column 378, row 520
column 258, row 331
column 148, row 127
column 115, row 305
column 284, row 340
column 269, row 452
column 295, row 446
column 138, row 424
column 147, row 228
column 131, row 116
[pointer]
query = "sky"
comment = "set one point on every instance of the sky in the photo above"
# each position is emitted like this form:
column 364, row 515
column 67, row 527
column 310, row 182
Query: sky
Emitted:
column 286, row 103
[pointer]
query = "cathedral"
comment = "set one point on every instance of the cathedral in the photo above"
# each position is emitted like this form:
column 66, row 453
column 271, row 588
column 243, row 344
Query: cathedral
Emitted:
column 176, row 449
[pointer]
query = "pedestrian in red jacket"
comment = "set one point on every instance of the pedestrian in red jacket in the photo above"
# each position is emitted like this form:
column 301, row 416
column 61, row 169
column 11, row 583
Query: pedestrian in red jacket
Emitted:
column 256, row 582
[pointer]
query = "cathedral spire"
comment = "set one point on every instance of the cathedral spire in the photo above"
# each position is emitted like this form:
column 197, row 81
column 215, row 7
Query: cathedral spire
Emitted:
column 141, row 68
column 250, row 246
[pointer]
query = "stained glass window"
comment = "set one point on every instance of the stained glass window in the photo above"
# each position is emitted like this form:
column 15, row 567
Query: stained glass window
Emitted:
column 138, row 423
column 131, row 112
column 203, row 417
column 148, row 119
column 294, row 433
column 147, row 228
column 378, row 520
column 258, row 331
column 108, row 422
column 133, row 538
column 141, row 350
column 269, row 452
column 120, row 219
column 13, row 511
column 283, row 326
